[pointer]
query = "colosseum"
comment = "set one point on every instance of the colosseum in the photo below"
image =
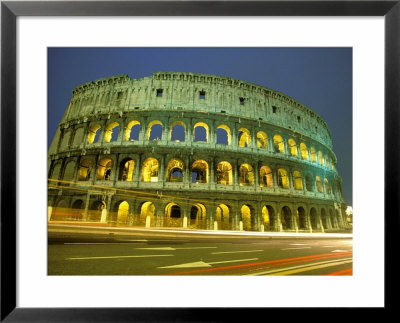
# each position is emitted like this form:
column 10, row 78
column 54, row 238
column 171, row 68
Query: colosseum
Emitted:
column 193, row 151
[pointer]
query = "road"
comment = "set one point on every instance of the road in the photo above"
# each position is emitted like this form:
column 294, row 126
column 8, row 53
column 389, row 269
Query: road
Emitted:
column 77, row 250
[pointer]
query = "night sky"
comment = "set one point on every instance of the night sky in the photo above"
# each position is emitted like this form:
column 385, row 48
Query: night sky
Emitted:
column 320, row 78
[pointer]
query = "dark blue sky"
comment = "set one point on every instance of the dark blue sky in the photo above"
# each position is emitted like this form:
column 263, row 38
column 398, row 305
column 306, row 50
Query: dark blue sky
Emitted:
column 320, row 78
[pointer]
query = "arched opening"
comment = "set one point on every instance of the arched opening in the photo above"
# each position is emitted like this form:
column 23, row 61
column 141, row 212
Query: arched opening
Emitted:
column 313, row 154
column 327, row 161
column 147, row 213
column 95, row 210
column 246, row 175
column 303, row 151
column 313, row 218
column 123, row 212
column 309, row 183
column 222, row 217
column 244, row 138
column 268, row 215
column 286, row 218
column 154, row 130
column 298, row 180
column 279, row 145
column 321, row 158
column 292, row 147
column 223, row 134
column 85, row 167
column 132, row 131
column 94, row 134
column 173, row 215
column 301, row 216
column 327, row 188
column 78, row 136
column 266, row 179
column 198, row 216
column 200, row 132
column 200, row 172
column 77, row 210
column 224, row 173
column 283, row 178
column 247, row 217
column 178, row 131
column 61, row 212
column 332, row 219
column 174, row 171
column 126, row 169
column 318, row 183
column 111, row 133
column 150, row 170
column 324, row 219
column 104, row 169
column 262, row 140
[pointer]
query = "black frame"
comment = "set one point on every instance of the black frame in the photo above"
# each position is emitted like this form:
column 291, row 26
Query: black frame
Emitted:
column 10, row 10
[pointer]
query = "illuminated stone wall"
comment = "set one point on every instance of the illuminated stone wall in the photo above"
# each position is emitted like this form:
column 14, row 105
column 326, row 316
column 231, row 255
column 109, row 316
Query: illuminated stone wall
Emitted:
column 193, row 151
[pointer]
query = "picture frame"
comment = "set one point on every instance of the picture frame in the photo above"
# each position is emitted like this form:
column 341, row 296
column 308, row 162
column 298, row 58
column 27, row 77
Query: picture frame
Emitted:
column 10, row 10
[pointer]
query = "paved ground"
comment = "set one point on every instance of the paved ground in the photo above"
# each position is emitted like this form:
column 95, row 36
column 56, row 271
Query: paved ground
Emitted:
column 91, row 250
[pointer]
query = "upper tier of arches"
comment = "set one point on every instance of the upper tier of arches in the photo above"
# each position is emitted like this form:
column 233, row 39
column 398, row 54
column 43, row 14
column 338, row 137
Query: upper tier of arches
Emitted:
column 195, row 92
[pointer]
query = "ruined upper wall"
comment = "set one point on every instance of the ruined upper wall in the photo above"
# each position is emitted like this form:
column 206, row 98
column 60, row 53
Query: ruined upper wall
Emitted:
column 196, row 92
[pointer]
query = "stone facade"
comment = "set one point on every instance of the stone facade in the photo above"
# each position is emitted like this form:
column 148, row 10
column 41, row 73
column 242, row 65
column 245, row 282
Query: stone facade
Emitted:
column 193, row 151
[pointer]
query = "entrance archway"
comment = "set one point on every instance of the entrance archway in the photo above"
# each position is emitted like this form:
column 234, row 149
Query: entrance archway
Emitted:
column 286, row 218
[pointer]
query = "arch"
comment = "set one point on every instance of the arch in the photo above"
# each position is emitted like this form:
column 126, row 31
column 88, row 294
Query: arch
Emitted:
column 123, row 212
column 269, row 210
column 132, row 131
column 313, row 154
column 224, row 136
column 78, row 136
column 318, row 184
column 292, row 147
column 247, row 217
column 147, row 214
column 298, row 180
column 94, row 134
column 154, row 130
column 327, row 188
column 85, row 168
column 222, row 217
column 126, row 169
column 61, row 211
column 321, row 158
column 65, row 140
column 303, row 151
column 95, row 210
column 200, row 171
column 224, row 173
column 244, row 138
column 198, row 217
column 55, row 174
column 69, row 171
column 266, row 178
column 283, row 178
column 177, row 132
column 111, row 133
column 173, row 215
column 327, row 162
column 104, row 169
column 286, row 218
column 279, row 145
column 313, row 218
column 309, row 183
column 200, row 132
column 246, row 175
column 324, row 218
column 150, row 170
column 301, row 218
column 262, row 140
column 174, row 172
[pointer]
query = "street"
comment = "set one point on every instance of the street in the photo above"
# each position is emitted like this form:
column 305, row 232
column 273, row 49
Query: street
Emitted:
column 85, row 250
